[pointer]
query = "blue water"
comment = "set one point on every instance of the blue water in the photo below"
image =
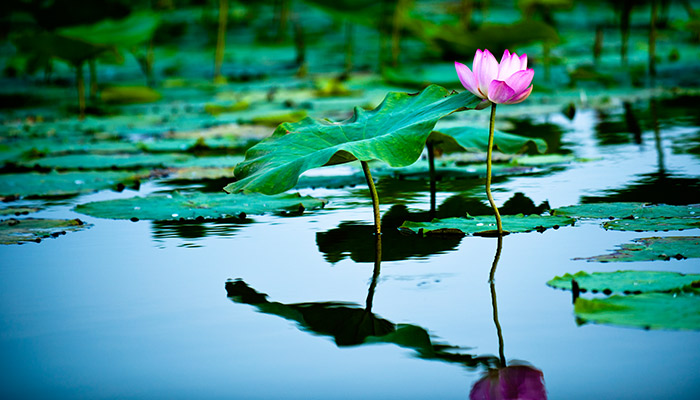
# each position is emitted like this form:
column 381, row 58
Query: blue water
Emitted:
column 138, row 310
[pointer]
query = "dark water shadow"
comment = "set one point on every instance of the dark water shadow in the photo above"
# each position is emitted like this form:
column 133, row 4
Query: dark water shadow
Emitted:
column 353, row 325
column 195, row 230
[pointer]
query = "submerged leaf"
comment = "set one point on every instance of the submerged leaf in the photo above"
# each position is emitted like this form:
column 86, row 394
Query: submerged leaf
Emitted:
column 395, row 132
column 676, row 311
column 626, row 281
column 177, row 206
column 653, row 248
column 469, row 137
column 17, row 231
column 472, row 225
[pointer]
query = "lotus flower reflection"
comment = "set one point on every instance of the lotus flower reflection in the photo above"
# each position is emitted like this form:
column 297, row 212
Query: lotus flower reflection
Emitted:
column 507, row 82
column 519, row 382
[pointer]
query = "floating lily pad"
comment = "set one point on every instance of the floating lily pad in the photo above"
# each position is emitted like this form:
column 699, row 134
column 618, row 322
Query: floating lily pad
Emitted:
column 653, row 224
column 472, row 225
column 18, row 210
column 69, row 183
column 130, row 161
column 395, row 132
column 16, row 231
column 546, row 159
column 128, row 95
column 653, row 248
column 676, row 311
column 626, row 281
column 627, row 210
column 177, row 206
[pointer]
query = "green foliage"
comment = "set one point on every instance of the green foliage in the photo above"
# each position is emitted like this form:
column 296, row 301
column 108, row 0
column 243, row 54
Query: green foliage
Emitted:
column 17, row 211
column 45, row 45
column 478, row 224
column 653, row 248
column 179, row 206
column 127, row 32
column 395, row 132
column 674, row 311
column 128, row 95
column 627, row 281
column 17, row 231
column 69, row 183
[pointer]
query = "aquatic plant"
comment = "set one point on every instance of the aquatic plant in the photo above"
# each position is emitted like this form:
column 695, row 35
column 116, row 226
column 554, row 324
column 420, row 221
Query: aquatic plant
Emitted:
column 507, row 82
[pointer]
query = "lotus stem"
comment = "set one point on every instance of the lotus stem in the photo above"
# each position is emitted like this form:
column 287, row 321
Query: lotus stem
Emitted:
column 220, row 38
column 93, row 78
column 349, row 45
column 489, row 152
column 431, row 165
column 80, row 83
column 494, row 302
column 375, row 198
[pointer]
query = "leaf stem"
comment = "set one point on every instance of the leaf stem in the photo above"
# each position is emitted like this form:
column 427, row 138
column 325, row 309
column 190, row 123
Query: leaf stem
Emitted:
column 433, row 188
column 375, row 197
column 488, row 171
column 80, row 83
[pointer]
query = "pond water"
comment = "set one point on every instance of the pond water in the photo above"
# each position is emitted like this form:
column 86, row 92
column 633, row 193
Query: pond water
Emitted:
column 169, row 310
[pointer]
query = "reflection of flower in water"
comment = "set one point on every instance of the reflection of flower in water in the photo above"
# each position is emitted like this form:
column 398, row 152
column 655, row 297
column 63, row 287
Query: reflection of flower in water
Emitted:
column 515, row 382
column 518, row 382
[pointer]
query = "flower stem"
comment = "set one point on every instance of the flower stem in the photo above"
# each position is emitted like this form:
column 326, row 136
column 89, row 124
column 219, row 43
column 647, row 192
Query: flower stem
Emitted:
column 488, row 171
column 494, row 302
column 431, row 165
column 375, row 198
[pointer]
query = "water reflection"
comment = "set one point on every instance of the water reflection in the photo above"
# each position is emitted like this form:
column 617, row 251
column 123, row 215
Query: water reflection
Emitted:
column 352, row 325
column 515, row 381
column 194, row 230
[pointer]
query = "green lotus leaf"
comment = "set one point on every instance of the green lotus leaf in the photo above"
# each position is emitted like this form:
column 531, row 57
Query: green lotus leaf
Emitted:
column 652, row 224
column 628, row 210
column 675, row 311
column 395, row 132
column 17, row 211
column 177, row 206
column 469, row 137
column 546, row 159
column 653, row 248
column 16, row 231
column 69, row 183
column 46, row 45
column 472, row 225
column 127, row 32
column 626, row 281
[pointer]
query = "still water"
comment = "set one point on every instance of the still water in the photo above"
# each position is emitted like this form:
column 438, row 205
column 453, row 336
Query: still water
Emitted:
column 141, row 310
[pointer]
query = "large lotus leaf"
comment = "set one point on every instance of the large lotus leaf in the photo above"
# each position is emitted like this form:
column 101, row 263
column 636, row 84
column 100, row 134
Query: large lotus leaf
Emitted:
column 472, row 225
column 469, row 137
column 47, row 45
column 16, row 231
column 653, row 224
column 394, row 132
column 626, row 281
column 177, row 206
column 677, row 311
column 69, row 183
column 653, row 248
column 127, row 32
column 627, row 210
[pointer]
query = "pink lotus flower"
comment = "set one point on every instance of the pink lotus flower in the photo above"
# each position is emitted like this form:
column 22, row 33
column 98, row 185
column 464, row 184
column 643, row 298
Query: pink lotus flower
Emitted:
column 519, row 382
column 507, row 82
